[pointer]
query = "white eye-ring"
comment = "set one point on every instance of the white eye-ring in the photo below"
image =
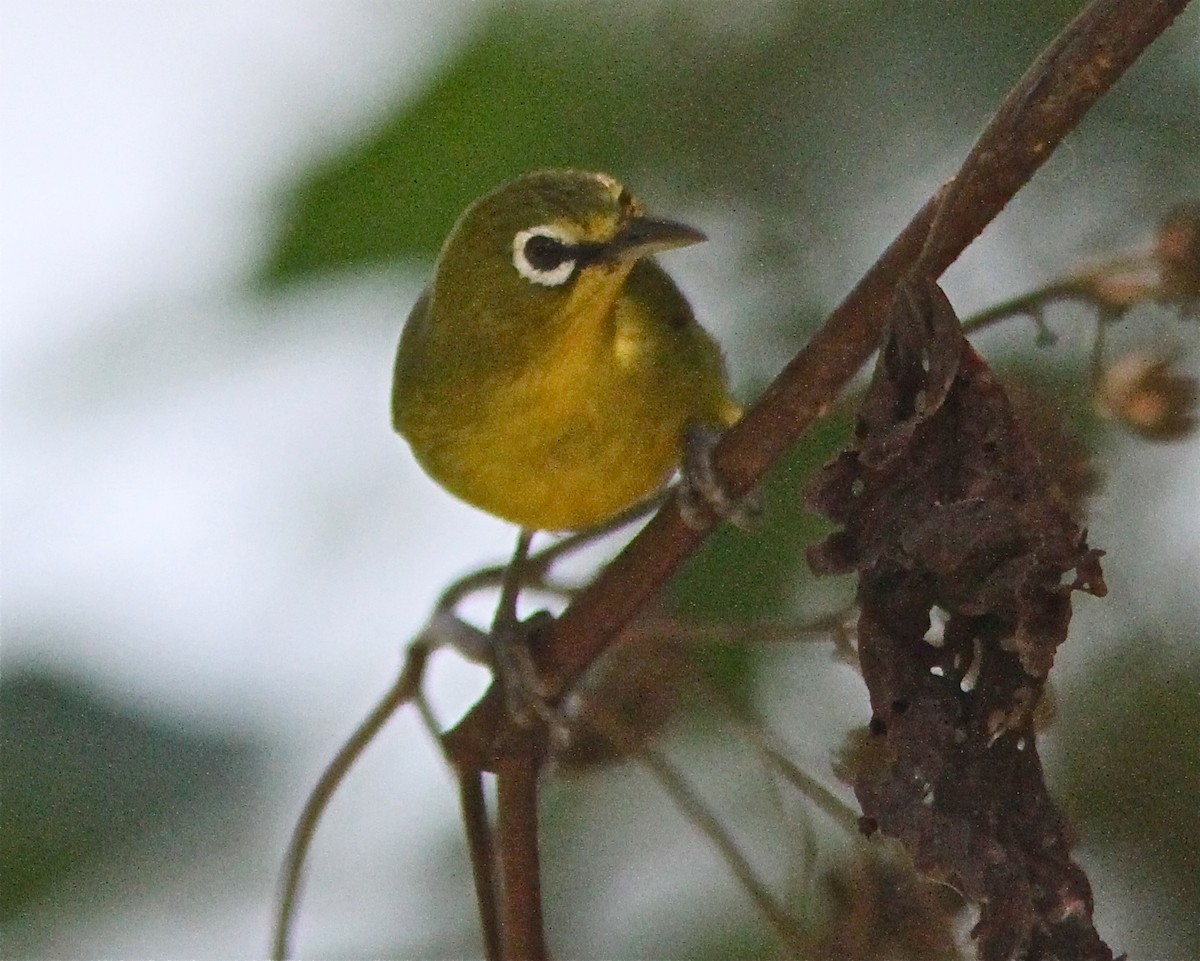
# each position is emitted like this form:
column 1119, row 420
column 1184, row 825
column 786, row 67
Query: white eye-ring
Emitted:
column 544, row 255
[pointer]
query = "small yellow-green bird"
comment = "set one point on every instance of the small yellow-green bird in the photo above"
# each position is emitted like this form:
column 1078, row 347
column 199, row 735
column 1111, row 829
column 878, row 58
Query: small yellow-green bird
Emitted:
column 551, row 370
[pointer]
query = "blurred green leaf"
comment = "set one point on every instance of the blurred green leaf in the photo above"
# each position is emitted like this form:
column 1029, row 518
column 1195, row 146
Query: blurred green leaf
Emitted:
column 82, row 777
column 721, row 938
column 531, row 89
column 1132, row 778
column 776, row 111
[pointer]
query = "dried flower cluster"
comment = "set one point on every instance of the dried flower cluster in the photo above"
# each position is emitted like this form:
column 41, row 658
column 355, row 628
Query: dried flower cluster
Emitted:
column 1168, row 272
column 1145, row 393
column 1177, row 250
column 945, row 508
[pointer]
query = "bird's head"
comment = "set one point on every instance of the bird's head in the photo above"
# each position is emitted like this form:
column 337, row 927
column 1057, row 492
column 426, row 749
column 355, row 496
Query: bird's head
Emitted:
column 555, row 243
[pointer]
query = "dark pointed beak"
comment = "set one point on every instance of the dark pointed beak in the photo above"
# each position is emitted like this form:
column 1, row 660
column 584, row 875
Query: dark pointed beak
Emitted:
column 641, row 236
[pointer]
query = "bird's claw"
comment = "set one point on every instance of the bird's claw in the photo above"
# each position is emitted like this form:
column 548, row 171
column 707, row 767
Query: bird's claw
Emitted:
column 703, row 494
column 529, row 696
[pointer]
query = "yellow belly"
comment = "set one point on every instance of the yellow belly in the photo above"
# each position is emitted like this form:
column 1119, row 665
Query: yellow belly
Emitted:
column 590, row 422
column 544, row 471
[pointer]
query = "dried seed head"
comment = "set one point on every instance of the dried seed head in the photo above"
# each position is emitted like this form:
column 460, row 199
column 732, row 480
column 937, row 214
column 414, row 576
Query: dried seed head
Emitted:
column 1177, row 249
column 1144, row 392
column 879, row 907
column 1116, row 291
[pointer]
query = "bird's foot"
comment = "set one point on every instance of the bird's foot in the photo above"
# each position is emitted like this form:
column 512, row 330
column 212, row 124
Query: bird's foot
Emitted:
column 528, row 695
column 703, row 494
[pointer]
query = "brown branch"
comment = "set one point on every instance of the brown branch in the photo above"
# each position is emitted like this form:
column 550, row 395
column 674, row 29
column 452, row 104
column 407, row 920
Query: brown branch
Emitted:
column 807, row 386
column 483, row 861
column 1050, row 100
column 1085, row 60
column 610, row 723
column 516, row 826
column 1075, row 71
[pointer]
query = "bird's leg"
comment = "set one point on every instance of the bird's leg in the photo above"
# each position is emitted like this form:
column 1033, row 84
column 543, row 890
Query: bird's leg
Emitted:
column 526, row 692
column 703, row 495
column 506, row 612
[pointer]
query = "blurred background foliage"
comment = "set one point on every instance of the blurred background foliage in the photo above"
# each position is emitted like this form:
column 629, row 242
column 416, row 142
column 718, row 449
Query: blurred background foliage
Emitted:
column 801, row 136
column 85, row 778
column 776, row 112
column 750, row 107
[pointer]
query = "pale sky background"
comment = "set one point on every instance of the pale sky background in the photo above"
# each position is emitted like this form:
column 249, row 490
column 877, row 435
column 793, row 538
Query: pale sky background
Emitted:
column 181, row 516
column 183, row 490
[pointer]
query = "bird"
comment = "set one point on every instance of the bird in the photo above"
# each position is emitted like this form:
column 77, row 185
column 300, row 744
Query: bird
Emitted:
column 552, row 373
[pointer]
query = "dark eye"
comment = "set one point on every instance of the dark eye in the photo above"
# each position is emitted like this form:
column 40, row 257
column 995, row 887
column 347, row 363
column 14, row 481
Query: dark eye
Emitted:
column 544, row 255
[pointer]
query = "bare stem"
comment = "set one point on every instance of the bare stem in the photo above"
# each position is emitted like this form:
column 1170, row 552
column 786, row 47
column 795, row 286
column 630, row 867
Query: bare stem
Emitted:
column 331, row 778
column 537, row 564
column 1029, row 304
column 517, row 828
column 612, row 726
column 483, row 862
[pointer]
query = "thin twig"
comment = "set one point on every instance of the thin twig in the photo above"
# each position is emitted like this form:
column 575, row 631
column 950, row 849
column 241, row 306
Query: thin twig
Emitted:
column 505, row 621
column 483, row 861
column 1027, row 304
column 293, row 865
column 1096, row 361
column 538, row 563
column 697, row 811
column 614, row 727
column 833, row 806
column 769, row 744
